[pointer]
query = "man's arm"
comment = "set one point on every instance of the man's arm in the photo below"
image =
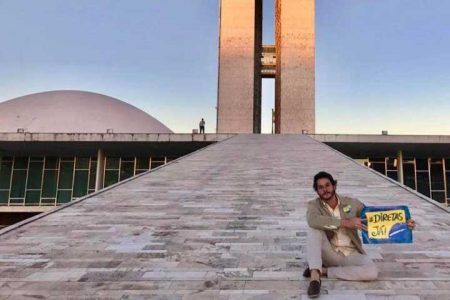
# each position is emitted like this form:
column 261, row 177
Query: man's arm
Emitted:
column 353, row 223
column 356, row 222
column 319, row 221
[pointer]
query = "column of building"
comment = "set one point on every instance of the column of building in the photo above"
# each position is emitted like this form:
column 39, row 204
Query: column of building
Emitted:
column 100, row 170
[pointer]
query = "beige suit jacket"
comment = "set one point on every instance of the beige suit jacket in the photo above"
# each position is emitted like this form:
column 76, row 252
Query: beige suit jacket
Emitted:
column 319, row 217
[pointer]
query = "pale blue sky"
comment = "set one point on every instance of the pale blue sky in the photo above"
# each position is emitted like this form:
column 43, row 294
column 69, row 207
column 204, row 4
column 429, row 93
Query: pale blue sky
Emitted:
column 380, row 64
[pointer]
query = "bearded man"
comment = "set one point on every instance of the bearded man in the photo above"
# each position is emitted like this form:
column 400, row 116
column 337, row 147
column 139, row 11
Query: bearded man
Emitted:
column 334, row 248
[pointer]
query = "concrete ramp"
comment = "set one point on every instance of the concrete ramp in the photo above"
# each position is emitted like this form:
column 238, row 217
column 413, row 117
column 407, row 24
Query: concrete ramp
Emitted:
column 226, row 222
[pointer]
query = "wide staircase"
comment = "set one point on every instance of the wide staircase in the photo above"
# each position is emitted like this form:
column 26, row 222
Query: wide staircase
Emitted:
column 225, row 222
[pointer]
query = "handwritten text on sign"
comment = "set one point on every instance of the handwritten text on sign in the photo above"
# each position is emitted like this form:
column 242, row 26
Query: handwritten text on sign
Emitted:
column 379, row 224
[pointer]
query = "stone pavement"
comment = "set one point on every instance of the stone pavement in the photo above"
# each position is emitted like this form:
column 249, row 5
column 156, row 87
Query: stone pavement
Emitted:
column 226, row 222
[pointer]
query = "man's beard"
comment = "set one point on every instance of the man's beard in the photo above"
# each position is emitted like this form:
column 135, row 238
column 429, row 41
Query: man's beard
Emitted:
column 328, row 196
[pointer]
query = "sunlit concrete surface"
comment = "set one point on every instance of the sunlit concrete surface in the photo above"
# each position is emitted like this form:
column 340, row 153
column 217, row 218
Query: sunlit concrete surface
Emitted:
column 239, row 83
column 227, row 222
column 294, row 83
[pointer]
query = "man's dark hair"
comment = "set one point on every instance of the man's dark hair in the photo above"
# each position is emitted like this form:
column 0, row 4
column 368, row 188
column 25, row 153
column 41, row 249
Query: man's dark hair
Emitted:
column 323, row 174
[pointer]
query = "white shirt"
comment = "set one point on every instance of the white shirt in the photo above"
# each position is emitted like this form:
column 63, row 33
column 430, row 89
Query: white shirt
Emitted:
column 341, row 242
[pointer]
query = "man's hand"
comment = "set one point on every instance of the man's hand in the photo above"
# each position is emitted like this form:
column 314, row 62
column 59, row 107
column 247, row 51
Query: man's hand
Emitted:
column 353, row 223
column 411, row 224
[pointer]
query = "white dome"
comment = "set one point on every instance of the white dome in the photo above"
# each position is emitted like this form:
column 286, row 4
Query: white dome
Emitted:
column 75, row 112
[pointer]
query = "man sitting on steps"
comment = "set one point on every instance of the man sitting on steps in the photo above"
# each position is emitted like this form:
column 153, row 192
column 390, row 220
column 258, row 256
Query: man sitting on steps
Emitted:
column 334, row 248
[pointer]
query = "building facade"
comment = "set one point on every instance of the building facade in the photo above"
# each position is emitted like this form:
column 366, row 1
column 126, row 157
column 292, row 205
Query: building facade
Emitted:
column 58, row 146
column 421, row 163
column 244, row 61
column 53, row 180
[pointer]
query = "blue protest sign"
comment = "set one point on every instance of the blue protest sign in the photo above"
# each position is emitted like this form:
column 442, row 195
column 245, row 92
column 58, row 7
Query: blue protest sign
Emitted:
column 386, row 224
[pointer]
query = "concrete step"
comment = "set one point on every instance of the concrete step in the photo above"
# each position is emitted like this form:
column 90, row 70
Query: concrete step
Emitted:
column 227, row 222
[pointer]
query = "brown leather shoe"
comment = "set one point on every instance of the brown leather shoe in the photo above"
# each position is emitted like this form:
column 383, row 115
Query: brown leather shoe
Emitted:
column 314, row 288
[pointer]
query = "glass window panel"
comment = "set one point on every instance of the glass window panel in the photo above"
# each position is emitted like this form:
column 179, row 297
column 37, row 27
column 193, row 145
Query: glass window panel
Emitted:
column 80, row 184
column 379, row 167
column 82, row 163
column 377, row 159
column 142, row 163
column 111, row 177
column 49, row 186
column 64, row 197
column 423, row 184
column 447, row 164
column 32, row 197
column 4, row 196
column 126, row 170
column 68, row 158
column 36, row 158
column 7, row 158
column 19, row 178
column 93, row 164
column 128, row 159
column 5, row 174
column 35, row 175
column 448, row 184
column 409, row 177
column 112, row 163
column 436, row 161
column 92, row 175
column 391, row 164
column 65, row 175
column 21, row 163
column 422, row 164
column 16, row 201
column 437, row 176
column 156, row 164
column 51, row 162
column 438, row 196
column 140, row 171
column 393, row 175
column 48, row 201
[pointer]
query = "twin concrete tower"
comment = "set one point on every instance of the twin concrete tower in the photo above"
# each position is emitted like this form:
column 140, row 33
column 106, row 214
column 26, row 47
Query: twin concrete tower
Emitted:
column 244, row 61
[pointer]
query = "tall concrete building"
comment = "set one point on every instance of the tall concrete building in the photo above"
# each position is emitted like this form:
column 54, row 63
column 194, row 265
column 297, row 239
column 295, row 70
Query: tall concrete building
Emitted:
column 244, row 61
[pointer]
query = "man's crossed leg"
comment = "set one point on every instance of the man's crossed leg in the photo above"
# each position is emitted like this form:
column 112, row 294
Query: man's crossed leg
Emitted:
column 320, row 253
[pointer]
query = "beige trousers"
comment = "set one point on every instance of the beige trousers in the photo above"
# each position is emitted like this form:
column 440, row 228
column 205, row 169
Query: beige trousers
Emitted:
column 352, row 267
